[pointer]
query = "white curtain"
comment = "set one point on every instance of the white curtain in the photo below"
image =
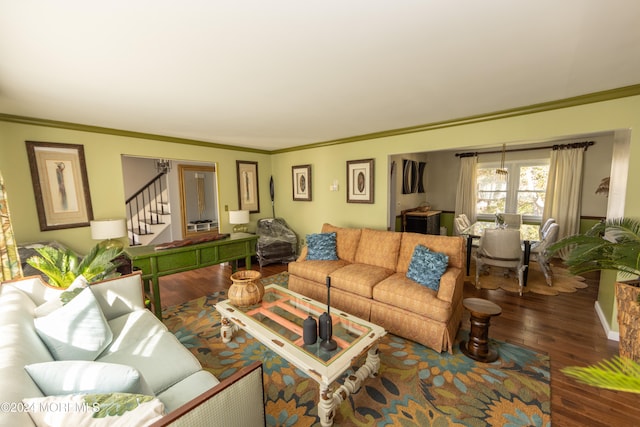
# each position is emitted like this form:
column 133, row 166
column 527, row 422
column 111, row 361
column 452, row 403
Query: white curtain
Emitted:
column 564, row 189
column 10, row 267
column 466, row 194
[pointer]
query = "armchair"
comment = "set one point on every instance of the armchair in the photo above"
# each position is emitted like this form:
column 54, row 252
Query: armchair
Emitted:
column 500, row 248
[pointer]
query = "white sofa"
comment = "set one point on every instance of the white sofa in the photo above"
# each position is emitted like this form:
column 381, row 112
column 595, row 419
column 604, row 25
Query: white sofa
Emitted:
column 139, row 340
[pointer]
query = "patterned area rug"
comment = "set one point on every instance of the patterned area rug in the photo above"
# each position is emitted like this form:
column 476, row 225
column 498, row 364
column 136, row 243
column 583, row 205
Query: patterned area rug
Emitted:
column 415, row 387
column 563, row 281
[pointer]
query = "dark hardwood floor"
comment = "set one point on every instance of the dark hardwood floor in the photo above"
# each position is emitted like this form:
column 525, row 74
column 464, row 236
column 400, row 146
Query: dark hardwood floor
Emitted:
column 565, row 327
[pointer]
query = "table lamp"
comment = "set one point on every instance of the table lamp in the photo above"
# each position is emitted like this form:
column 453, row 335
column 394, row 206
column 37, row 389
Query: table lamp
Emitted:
column 109, row 230
column 239, row 219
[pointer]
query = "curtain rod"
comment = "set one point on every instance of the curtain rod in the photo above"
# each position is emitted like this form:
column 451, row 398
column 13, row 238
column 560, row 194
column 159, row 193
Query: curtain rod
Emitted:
column 584, row 145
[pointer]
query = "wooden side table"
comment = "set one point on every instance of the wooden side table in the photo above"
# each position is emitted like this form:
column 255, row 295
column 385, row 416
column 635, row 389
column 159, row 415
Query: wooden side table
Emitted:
column 477, row 347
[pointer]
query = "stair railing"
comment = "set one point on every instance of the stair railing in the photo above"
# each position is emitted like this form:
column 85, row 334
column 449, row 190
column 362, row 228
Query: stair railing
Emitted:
column 145, row 207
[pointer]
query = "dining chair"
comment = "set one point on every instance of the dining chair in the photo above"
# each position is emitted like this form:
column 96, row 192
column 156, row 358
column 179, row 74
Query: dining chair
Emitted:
column 540, row 254
column 465, row 220
column 461, row 223
column 500, row 248
column 544, row 227
column 512, row 220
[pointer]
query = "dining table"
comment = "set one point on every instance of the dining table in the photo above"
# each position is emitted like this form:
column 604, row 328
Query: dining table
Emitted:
column 529, row 234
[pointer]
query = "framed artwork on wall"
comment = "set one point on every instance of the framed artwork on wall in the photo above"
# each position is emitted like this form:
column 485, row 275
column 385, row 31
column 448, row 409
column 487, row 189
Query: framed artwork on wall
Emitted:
column 360, row 175
column 248, row 195
column 60, row 185
column 413, row 176
column 301, row 178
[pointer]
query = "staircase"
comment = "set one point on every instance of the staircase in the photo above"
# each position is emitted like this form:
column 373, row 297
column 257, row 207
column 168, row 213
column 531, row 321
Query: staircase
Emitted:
column 148, row 212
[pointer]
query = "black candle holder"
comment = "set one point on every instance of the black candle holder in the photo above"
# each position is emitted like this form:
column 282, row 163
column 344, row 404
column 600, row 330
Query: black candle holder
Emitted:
column 326, row 324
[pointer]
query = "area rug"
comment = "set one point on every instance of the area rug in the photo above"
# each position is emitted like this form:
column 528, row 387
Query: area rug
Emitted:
column 563, row 281
column 415, row 387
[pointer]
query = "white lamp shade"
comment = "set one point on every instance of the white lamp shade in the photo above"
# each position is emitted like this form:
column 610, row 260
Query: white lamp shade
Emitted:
column 103, row 229
column 238, row 217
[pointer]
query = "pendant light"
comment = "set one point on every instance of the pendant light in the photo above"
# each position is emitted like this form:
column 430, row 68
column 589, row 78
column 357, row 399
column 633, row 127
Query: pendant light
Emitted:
column 502, row 170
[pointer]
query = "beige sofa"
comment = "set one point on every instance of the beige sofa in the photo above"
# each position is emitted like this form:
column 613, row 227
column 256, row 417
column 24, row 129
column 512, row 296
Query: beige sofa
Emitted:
column 369, row 281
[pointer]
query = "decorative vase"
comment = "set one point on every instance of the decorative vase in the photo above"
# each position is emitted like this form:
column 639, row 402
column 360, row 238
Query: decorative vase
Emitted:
column 323, row 326
column 246, row 288
column 309, row 331
column 628, row 316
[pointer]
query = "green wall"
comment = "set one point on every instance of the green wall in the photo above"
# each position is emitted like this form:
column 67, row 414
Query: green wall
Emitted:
column 328, row 162
column 104, row 167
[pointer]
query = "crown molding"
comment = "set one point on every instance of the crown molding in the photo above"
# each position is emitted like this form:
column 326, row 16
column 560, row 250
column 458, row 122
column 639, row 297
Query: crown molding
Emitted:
column 125, row 133
column 606, row 95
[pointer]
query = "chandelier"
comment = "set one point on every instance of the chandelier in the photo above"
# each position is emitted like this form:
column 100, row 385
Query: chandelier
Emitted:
column 502, row 170
column 163, row 166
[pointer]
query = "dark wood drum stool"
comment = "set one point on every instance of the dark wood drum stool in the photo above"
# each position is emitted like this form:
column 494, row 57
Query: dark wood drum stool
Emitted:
column 477, row 347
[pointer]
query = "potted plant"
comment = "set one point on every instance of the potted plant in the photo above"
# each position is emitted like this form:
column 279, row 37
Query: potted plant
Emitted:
column 611, row 245
column 62, row 265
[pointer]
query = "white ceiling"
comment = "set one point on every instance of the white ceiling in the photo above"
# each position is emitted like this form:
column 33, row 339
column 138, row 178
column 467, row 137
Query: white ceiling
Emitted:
column 282, row 73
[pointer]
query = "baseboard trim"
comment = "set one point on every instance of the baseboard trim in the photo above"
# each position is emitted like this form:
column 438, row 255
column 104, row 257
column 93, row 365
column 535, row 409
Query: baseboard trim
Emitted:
column 612, row 335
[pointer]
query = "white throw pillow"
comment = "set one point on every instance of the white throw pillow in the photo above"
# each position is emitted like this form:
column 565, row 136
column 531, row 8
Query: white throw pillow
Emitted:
column 67, row 295
column 79, row 376
column 94, row 410
column 76, row 331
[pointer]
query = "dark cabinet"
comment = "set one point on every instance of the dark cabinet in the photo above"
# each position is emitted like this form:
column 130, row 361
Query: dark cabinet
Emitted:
column 422, row 222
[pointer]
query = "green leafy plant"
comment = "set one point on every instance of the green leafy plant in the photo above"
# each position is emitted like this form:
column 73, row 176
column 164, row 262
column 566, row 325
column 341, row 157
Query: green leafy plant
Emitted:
column 618, row 373
column 609, row 245
column 62, row 266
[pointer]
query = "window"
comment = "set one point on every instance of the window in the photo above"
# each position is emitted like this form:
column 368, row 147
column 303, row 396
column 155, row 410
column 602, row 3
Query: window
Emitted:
column 521, row 190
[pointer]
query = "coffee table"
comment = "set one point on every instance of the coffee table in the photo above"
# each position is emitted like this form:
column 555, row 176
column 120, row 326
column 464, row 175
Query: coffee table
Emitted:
column 277, row 323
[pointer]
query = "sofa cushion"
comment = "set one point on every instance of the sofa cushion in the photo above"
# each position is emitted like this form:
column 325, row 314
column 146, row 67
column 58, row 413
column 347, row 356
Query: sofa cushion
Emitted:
column 379, row 248
column 108, row 410
column 316, row 271
column 161, row 358
column 359, row 278
column 399, row 291
column 80, row 376
column 77, row 330
column 130, row 329
column 347, row 240
column 427, row 267
column 321, row 247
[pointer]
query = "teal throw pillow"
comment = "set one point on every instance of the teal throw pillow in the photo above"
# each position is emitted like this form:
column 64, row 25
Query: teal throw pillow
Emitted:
column 322, row 246
column 427, row 267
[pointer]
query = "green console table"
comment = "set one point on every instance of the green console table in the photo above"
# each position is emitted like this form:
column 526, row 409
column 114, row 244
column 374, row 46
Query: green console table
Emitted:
column 157, row 263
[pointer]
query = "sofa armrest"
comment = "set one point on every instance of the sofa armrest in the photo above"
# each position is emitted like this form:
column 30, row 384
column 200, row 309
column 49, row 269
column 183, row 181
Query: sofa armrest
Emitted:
column 236, row 401
column 450, row 283
column 303, row 254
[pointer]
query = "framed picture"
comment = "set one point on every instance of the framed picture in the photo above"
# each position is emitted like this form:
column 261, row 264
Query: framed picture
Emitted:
column 301, row 177
column 360, row 181
column 248, row 196
column 60, row 185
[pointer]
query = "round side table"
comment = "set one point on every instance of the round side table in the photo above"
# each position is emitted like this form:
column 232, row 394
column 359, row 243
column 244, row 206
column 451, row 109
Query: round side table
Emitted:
column 477, row 347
